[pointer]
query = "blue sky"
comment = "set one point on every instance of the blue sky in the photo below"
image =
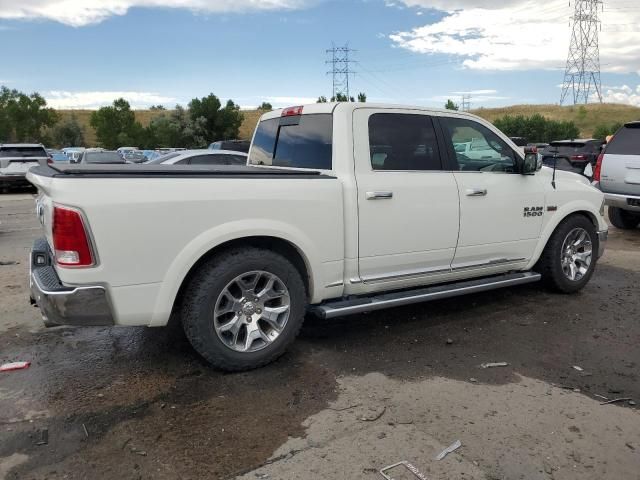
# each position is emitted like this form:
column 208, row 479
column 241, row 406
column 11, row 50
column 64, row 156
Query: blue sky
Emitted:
column 408, row 51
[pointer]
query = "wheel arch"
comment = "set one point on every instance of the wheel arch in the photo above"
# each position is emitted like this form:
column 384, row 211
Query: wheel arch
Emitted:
column 190, row 260
column 563, row 214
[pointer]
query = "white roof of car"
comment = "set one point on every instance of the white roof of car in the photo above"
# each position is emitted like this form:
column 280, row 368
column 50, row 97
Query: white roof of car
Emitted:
column 24, row 145
column 193, row 153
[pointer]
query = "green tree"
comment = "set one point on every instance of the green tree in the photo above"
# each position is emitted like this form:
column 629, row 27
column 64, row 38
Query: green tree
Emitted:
column 340, row 97
column 322, row 99
column 168, row 130
column 211, row 122
column 116, row 125
column 24, row 118
column 602, row 131
column 362, row 97
column 157, row 108
column 68, row 133
column 266, row 106
column 537, row 128
column 450, row 105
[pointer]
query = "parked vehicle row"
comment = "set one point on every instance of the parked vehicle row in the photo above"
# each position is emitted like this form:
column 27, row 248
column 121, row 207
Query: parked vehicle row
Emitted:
column 342, row 208
column 16, row 160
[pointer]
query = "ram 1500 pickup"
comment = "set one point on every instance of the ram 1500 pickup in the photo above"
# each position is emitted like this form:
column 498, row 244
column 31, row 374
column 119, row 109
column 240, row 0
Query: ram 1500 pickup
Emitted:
column 342, row 208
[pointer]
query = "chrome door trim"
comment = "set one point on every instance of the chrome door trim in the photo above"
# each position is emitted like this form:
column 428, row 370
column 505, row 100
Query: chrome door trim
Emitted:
column 490, row 263
column 405, row 274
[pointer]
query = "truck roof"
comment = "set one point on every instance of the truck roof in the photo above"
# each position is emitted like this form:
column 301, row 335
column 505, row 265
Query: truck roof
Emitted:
column 315, row 108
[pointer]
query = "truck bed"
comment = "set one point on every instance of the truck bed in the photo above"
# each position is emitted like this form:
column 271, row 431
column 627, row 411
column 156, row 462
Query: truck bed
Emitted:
column 179, row 171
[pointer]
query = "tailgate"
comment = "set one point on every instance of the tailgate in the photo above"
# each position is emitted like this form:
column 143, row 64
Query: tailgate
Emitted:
column 621, row 174
column 19, row 166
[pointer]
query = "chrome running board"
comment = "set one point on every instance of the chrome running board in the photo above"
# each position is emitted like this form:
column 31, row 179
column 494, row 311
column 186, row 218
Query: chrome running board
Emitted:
column 339, row 308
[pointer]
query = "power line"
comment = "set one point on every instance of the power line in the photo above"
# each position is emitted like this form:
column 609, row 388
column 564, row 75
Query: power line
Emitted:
column 340, row 61
column 582, row 72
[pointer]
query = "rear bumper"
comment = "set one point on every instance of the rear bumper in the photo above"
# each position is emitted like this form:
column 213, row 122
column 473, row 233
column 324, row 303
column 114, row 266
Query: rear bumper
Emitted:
column 626, row 202
column 603, row 236
column 86, row 305
column 17, row 180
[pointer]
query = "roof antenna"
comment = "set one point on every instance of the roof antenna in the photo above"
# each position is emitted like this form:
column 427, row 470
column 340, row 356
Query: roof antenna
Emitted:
column 553, row 179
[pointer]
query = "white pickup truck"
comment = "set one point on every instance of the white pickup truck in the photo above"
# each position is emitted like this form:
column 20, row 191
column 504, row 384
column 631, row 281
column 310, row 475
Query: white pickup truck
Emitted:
column 343, row 208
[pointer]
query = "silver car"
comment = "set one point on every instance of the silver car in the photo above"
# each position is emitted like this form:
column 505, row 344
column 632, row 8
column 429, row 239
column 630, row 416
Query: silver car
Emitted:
column 617, row 173
column 201, row 157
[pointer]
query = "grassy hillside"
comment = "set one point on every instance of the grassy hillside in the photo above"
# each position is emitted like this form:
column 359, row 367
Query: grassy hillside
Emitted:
column 587, row 117
column 145, row 116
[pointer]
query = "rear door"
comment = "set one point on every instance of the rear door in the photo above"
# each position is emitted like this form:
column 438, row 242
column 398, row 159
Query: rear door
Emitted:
column 407, row 203
column 621, row 164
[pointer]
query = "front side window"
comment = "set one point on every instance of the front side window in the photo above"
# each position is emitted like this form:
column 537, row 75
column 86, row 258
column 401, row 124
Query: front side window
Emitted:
column 399, row 141
column 298, row 142
column 483, row 150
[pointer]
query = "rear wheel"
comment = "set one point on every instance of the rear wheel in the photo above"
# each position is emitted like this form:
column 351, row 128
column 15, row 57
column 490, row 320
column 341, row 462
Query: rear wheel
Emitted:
column 243, row 308
column 568, row 260
column 622, row 219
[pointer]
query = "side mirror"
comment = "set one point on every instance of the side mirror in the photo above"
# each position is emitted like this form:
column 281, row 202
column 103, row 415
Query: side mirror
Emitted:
column 532, row 161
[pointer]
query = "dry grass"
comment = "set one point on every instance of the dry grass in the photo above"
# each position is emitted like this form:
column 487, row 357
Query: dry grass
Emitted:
column 251, row 118
column 586, row 117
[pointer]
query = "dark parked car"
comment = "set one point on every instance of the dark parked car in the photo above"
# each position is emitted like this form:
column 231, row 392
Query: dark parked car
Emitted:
column 233, row 145
column 100, row 157
column 572, row 155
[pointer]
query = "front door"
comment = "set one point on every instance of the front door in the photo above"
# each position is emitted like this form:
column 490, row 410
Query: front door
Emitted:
column 501, row 211
column 408, row 207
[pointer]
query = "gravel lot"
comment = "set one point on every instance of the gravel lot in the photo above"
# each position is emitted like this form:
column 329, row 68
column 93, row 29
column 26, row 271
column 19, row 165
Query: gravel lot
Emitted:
column 352, row 396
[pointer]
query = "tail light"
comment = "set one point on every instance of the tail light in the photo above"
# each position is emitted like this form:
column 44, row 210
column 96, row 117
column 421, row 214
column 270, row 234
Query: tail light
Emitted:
column 578, row 157
column 292, row 111
column 49, row 160
column 70, row 238
column 598, row 169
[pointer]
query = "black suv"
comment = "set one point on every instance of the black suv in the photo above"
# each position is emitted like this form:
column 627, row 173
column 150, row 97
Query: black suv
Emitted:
column 572, row 155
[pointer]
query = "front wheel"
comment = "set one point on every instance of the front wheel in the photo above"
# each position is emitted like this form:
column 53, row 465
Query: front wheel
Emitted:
column 243, row 308
column 569, row 259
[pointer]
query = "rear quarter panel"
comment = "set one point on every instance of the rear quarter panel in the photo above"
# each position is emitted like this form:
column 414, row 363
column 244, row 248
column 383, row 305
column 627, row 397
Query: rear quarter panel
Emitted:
column 620, row 174
column 152, row 231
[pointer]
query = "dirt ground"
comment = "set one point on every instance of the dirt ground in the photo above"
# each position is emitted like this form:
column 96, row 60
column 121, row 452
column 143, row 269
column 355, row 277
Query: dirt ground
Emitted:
column 352, row 396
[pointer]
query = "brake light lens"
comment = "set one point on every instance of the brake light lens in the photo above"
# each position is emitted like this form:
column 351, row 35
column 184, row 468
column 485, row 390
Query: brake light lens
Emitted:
column 598, row 169
column 49, row 160
column 70, row 238
column 292, row 111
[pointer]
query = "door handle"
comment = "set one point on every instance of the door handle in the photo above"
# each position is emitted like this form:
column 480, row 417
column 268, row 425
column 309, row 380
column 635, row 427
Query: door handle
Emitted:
column 379, row 195
column 477, row 192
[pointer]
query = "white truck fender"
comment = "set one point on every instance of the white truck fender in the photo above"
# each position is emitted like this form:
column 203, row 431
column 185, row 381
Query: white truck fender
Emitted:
column 573, row 206
column 224, row 233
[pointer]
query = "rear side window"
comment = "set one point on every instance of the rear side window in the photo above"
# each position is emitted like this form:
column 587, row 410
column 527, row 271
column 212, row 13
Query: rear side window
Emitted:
column 300, row 142
column 19, row 152
column 626, row 141
column 399, row 141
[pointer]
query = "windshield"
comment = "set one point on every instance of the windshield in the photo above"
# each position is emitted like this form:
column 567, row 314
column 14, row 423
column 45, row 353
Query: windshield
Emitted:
column 102, row 157
column 22, row 152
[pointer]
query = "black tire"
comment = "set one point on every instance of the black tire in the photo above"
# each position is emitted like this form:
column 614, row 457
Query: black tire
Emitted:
column 203, row 290
column 622, row 219
column 550, row 263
